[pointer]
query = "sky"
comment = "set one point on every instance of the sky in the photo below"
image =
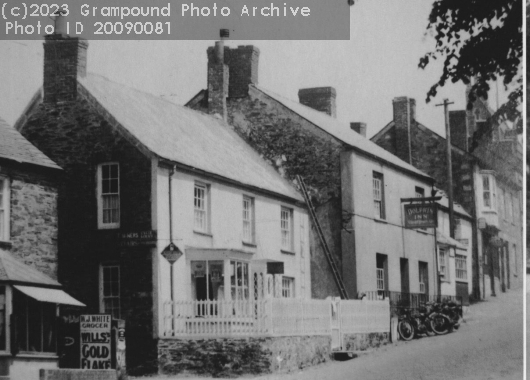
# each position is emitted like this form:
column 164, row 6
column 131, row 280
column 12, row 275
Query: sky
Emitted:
column 377, row 64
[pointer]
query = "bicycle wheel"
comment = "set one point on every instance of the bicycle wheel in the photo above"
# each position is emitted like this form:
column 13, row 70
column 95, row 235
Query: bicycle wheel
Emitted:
column 405, row 330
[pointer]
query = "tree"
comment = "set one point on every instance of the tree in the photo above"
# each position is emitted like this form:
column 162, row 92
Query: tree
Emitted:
column 480, row 39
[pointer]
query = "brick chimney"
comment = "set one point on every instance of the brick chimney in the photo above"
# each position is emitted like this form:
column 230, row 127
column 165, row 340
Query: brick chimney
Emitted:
column 218, row 77
column 404, row 115
column 360, row 128
column 242, row 65
column 319, row 98
column 64, row 61
column 458, row 123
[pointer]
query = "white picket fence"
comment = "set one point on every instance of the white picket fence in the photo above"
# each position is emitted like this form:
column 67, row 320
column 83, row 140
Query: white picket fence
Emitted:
column 273, row 317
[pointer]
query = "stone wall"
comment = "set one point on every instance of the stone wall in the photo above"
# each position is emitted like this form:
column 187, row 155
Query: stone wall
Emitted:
column 364, row 342
column 229, row 357
column 78, row 136
column 34, row 221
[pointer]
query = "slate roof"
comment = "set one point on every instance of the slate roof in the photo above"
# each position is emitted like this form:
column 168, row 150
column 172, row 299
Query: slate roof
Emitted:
column 341, row 131
column 12, row 270
column 14, row 146
column 189, row 137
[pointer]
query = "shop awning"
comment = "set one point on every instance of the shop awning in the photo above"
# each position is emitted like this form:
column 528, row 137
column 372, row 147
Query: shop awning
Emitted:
column 49, row 295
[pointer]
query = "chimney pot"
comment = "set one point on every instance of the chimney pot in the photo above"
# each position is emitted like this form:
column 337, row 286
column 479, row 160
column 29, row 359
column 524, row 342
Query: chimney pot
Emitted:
column 360, row 128
column 319, row 98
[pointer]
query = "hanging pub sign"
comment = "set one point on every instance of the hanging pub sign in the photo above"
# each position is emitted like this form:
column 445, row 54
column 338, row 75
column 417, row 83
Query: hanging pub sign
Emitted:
column 421, row 215
column 96, row 352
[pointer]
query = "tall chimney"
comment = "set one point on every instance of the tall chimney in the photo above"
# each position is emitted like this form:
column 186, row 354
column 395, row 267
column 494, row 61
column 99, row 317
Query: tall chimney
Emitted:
column 404, row 115
column 218, row 77
column 243, row 63
column 459, row 129
column 319, row 98
column 64, row 61
column 360, row 128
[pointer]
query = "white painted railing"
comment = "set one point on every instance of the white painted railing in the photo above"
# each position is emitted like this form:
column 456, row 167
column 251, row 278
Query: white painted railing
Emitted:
column 272, row 317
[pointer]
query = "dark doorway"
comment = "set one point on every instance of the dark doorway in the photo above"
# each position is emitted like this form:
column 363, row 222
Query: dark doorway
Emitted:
column 424, row 277
column 404, row 269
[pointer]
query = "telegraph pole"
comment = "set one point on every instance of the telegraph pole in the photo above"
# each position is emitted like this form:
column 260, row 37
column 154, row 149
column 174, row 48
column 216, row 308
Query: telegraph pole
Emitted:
column 449, row 166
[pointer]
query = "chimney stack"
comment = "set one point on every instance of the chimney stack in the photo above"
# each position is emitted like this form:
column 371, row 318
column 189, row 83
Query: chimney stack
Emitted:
column 218, row 77
column 64, row 61
column 404, row 116
column 360, row 128
column 319, row 98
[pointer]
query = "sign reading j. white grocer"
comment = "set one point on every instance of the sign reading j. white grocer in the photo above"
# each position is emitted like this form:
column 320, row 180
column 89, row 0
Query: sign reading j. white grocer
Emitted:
column 95, row 341
column 421, row 216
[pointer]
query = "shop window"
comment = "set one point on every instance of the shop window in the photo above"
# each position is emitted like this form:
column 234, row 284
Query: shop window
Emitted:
column 239, row 280
column 109, row 195
column 287, row 228
column 287, row 287
column 442, row 263
column 207, row 280
column 248, row 220
column 35, row 329
column 461, row 267
column 201, row 208
column 379, row 195
column 109, row 290
column 4, row 209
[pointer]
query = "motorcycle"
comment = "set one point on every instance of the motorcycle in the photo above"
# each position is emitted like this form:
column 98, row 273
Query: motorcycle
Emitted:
column 454, row 312
column 411, row 324
column 440, row 323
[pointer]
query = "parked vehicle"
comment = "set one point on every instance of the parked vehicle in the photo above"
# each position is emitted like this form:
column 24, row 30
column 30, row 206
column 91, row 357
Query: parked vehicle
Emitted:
column 454, row 312
column 411, row 324
column 440, row 323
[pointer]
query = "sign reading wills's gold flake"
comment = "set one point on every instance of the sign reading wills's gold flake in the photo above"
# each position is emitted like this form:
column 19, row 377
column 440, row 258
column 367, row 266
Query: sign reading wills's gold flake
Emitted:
column 421, row 215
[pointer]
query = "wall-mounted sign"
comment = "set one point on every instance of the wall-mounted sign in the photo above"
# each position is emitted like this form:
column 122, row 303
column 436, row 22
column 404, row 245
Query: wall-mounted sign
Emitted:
column 172, row 253
column 274, row 268
column 96, row 341
column 137, row 239
column 421, row 215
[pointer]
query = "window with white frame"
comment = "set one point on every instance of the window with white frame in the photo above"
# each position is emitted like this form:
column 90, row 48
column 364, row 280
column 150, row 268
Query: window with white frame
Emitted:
column 4, row 209
column 239, row 280
column 378, row 194
column 34, row 325
column 287, row 228
column 461, row 267
column 248, row 220
column 109, row 195
column 488, row 191
column 442, row 263
column 201, row 208
column 381, row 273
column 287, row 287
column 109, row 290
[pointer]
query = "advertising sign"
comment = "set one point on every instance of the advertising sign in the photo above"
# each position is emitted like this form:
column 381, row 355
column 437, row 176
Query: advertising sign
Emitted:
column 96, row 350
column 421, row 215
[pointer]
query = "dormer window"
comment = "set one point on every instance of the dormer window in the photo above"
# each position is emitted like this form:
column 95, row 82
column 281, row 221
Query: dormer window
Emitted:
column 489, row 200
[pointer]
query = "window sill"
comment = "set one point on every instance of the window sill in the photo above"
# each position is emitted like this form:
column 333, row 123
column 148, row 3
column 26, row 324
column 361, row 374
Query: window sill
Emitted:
column 489, row 212
column 252, row 245
column 36, row 355
column 378, row 220
column 5, row 244
column 424, row 232
column 287, row 252
column 202, row 233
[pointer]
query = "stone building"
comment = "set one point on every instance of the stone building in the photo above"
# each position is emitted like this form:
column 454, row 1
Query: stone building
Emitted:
column 145, row 177
column 355, row 185
column 487, row 182
column 29, row 292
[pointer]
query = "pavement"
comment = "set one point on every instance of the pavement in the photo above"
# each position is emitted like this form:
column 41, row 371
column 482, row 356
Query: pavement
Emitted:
column 488, row 346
